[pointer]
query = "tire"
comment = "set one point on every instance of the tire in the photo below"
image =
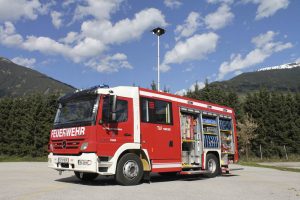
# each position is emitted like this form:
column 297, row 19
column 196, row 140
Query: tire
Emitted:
column 212, row 165
column 129, row 170
column 84, row 176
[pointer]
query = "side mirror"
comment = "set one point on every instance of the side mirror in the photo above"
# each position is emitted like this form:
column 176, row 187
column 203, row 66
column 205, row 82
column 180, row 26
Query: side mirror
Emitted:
column 113, row 117
column 113, row 108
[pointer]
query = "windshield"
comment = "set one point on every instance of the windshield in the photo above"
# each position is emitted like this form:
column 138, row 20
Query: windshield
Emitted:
column 78, row 111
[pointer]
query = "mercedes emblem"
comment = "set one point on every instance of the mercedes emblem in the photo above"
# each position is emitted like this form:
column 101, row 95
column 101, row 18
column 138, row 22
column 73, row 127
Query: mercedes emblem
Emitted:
column 64, row 144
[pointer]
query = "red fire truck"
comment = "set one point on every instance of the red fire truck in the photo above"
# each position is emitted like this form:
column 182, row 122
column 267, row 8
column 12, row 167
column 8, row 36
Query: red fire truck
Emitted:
column 128, row 132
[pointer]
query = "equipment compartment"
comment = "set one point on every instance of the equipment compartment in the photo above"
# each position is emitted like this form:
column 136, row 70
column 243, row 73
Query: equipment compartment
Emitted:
column 190, row 137
column 210, row 130
column 227, row 142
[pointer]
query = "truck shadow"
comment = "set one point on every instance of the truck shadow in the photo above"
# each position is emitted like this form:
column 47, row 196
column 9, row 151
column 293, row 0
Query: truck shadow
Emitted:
column 100, row 181
column 155, row 178
column 158, row 178
column 237, row 169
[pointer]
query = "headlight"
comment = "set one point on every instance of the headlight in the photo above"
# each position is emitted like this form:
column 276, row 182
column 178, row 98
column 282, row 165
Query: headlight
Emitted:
column 84, row 146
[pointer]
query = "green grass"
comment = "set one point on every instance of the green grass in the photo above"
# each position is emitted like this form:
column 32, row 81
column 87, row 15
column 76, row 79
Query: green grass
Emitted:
column 255, row 164
column 22, row 159
column 292, row 158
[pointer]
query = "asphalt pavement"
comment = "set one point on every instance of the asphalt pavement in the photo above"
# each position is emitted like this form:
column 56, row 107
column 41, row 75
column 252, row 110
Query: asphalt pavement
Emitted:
column 33, row 180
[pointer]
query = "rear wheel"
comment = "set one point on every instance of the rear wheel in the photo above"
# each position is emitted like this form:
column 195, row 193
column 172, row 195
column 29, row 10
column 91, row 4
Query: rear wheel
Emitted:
column 129, row 170
column 84, row 176
column 212, row 165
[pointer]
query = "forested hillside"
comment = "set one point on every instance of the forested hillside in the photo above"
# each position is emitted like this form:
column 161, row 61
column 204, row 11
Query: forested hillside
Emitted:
column 16, row 80
column 277, row 80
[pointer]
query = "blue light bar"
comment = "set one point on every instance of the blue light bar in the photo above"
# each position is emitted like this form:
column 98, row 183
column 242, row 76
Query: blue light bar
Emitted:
column 98, row 86
column 103, row 86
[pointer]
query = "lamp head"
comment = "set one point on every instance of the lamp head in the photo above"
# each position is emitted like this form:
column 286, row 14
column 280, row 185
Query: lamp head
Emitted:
column 158, row 31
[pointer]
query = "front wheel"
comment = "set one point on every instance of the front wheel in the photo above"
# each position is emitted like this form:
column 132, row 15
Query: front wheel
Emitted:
column 212, row 165
column 84, row 176
column 129, row 170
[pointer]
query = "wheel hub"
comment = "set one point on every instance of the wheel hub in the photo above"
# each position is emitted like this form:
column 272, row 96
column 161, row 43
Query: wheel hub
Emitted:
column 130, row 169
column 212, row 166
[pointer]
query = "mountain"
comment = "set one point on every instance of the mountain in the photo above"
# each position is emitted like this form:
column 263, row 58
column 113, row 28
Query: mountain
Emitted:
column 277, row 78
column 16, row 80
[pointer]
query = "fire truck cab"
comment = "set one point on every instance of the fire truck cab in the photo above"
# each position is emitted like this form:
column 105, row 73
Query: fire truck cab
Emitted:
column 129, row 132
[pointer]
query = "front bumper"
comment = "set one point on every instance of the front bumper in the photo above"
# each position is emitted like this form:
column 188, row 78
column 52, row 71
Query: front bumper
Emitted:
column 74, row 163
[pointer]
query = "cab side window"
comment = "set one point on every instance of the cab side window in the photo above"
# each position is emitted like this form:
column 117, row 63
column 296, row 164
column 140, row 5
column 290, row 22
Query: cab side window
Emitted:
column 121, row 110
column 156, row 111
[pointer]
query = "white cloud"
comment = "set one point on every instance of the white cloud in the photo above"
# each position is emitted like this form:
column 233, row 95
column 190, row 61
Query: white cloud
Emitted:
column 110, row 64
column 189, row 27
column 86, row 48
column 95, row 37
column 267, row 8
column 45, row 45
column 263, row 39
column 126, row 29
column 68, row 2
column 71, row 38
column 56, row 19
column 213, row 76
column 238, row 72
column 172, row 3
column 183, row 92
column 220, row 1
column 8, row 35
column 188, row 69
column 219, row 19
column 201, row 85
column 17, row 9
column 194, row 48
column 265, row 47
column 88, row 43
column 297, row 60
column 26, row 62
column 100, row 10
column 46, row 7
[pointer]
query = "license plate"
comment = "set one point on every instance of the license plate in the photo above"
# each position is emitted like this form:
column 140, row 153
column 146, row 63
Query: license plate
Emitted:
column 63, row 160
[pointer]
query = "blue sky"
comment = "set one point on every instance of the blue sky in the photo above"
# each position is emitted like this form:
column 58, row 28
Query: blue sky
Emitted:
column 90, row 42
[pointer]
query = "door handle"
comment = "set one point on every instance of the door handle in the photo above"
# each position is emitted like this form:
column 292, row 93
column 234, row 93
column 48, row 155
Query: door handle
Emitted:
column 127, row 134
column 171, row 143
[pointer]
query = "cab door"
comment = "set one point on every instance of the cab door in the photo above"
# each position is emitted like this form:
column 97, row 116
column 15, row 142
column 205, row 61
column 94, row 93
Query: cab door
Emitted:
column 159, row 135
column 113, row 134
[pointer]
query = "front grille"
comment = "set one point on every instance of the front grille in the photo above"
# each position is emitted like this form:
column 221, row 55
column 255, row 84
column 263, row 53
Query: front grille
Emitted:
column 67, row 144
